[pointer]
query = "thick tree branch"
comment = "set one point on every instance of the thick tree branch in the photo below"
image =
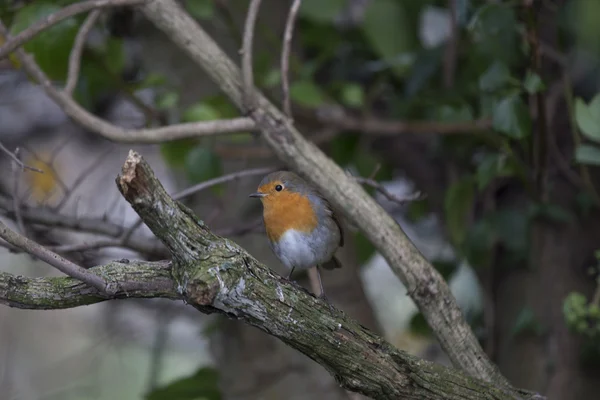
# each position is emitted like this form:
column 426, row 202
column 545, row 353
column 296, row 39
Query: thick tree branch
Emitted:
column 53, row 259
column 133, row 279
column 426, row 286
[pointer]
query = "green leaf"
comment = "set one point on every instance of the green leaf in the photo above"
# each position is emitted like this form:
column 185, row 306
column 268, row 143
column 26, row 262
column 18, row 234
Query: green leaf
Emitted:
column 353, row 95
column 272, row 78
column 445, row 268
column 588, row 118
column 307, row 94
column 457, row 206
column 587, row 154
column 419, row 325
column 50, row 48
column 511, row 117
column 552, row 212
column 321, row 11
column 385, row 27
column 343, row 148
column 478, row 243
column 422, row 70
column 448, row 113
column 364, row 248
column 494, row 31
column 495, row 77
column 202, row 164
column 166, row 101
column 493, row 166
column 511, row 228
column 200, row 112
column 526, row 323
column 201, row 9
column 175, row 152
column 533, row 83
column 203, row 385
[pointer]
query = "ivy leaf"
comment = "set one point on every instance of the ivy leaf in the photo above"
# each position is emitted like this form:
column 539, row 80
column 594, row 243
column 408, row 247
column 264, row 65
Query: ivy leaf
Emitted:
column 201, row 9
column 457, row 205
column 307, row 93
column 175, row 152
column 167, row 100
column 385, row 27
column 200, row 112
column 353, row 95
column 587, row 154
column 495, row 77
column 533, row 83
column 321, row 11
column 202, row 385
column 202, row 164
column 526, row 323
column 511, row 117
column 588, row 118
column 493, row 166
column 343, row 148
column 493, row 28
column 52, row 47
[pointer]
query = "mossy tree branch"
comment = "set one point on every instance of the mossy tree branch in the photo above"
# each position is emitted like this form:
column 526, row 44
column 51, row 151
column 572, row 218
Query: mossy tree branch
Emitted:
column 213, row 274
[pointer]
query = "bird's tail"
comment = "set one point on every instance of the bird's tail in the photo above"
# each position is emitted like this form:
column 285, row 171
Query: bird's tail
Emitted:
column 332, row 264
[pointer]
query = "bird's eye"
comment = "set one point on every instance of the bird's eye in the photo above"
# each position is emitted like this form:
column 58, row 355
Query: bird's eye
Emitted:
column 279, row 188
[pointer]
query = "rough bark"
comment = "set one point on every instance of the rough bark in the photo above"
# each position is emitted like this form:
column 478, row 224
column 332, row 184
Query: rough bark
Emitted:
column 214, row 274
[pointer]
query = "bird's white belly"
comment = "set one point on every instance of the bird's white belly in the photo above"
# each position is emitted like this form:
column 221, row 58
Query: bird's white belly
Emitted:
column 295, row 251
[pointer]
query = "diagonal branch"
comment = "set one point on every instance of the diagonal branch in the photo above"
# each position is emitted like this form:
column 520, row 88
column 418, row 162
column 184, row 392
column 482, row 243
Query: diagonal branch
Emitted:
column 53, row 259
column 426, row 286
column 77, row 51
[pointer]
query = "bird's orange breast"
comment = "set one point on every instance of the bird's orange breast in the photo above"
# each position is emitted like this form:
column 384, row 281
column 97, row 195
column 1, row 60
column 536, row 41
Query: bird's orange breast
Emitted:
column 288, row 210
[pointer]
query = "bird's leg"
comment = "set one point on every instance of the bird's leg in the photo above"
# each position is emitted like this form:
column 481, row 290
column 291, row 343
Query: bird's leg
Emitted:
column 289, row 277
column 322, row 295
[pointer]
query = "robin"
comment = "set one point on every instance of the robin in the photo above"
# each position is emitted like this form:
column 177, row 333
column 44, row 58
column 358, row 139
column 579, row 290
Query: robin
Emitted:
column 302, row 229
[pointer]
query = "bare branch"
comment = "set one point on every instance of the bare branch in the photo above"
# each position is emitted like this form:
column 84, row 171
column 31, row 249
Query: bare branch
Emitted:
column 58, row 262
column 15, row 195
column 285, row 56
column 53, row 19
column 16, row 159
column 77, row 51
column 50, row 218
column 249, row 100
column 222, row 179
column 390, row 196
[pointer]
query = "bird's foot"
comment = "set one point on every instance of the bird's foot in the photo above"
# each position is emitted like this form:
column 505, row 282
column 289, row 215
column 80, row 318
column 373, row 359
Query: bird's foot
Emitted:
column 323, row 297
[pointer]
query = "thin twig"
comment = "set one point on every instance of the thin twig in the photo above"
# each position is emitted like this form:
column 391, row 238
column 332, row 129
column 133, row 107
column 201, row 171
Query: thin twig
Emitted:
column 55, row 18
column 77, row 51
column 222, row 179
column 83, row 175
column 390, row 196
column 58, row 262
column 451, row 50
column 285, row 56
column 17, row 160
column 15, row 194
column 247, row 67
column 116, row 133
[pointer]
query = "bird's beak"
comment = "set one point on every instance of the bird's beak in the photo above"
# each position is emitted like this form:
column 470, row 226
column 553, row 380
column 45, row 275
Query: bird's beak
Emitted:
column 258, row 195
